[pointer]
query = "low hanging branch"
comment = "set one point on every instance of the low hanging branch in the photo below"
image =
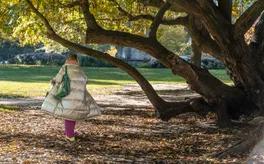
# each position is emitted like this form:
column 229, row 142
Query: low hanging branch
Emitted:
column 97, row 34
column 247, row 19
column 157, row 21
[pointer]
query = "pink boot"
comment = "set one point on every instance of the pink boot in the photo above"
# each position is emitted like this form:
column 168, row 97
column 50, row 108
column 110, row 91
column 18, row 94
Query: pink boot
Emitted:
column 69, row 129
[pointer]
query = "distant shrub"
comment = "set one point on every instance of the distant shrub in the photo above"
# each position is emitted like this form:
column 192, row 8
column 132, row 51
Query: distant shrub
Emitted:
column 88, row 61
column 207, row 62
column 9, row 49
column 39, row 58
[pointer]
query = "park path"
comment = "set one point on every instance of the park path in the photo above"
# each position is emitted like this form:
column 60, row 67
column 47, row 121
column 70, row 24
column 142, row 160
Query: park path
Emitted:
column 130, row 94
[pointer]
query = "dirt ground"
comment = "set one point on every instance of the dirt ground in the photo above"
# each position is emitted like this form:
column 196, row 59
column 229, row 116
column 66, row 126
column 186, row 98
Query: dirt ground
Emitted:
column 127, row 132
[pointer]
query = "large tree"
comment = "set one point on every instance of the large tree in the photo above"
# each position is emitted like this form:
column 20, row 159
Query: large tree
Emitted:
column 210, row 23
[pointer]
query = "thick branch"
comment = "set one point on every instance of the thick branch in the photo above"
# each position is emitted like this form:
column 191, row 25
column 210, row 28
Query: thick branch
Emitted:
column 247, row 19
column 225, row 7
column 177, row 21
column 152, row 47
column 158, row 19
column 202, row 38
column 216, row 23
column 211, row 17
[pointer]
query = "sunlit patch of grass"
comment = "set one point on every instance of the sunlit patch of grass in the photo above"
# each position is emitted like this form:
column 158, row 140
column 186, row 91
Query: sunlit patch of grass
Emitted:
column 33, row 81
column 8, row 108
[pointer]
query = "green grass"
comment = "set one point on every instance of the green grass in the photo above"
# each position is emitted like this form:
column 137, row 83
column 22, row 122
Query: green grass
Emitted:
column 31, row 81
column 7, row 108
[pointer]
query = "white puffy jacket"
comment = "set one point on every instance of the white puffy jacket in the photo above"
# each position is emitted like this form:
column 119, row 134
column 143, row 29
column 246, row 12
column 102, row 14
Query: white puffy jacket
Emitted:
column 79, row 104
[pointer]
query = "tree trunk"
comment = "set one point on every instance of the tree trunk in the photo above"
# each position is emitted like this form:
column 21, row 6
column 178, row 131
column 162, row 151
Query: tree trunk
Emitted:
column 196, row 55
column 246, row 65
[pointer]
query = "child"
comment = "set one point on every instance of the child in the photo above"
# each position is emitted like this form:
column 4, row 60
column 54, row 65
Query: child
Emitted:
column 78, row 104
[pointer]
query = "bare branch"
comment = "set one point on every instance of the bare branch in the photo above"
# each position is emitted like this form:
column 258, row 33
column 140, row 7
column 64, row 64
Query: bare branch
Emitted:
column 158, row 19
column 247, row 19
column 89, row 17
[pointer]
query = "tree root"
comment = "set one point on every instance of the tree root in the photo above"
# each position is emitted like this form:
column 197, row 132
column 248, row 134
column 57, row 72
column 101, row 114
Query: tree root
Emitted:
column 172, row 109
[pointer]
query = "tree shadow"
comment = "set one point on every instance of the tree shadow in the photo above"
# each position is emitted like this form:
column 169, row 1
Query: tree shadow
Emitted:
column 129, row 111
column 105, row 146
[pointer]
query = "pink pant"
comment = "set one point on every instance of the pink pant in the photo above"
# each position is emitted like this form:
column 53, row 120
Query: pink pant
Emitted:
column 69, row 128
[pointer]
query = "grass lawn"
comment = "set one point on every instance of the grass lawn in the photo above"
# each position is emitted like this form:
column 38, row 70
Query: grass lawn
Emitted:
column 32, row 81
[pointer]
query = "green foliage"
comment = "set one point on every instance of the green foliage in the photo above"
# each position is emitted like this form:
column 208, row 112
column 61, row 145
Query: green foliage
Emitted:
column 92, row 62
column 175, row 39
column 239, row 6
column 17, row 22
column 10, row 49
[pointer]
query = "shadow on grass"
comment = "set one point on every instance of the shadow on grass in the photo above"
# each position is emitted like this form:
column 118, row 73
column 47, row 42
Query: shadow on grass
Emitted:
column 130, row 112
column 11, row 95
column 8, row 108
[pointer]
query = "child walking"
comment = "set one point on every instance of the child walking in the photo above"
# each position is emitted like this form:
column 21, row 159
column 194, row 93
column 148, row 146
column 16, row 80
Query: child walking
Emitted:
column 76, row 102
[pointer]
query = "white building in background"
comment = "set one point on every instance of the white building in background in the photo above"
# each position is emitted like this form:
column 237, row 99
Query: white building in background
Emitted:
column 133, row 55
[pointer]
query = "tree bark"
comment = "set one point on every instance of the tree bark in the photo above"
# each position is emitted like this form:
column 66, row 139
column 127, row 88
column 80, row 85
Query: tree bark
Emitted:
column 196, row 55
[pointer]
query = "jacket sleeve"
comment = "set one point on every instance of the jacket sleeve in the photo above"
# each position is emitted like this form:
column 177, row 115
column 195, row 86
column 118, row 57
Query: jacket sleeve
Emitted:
column 58, row 78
